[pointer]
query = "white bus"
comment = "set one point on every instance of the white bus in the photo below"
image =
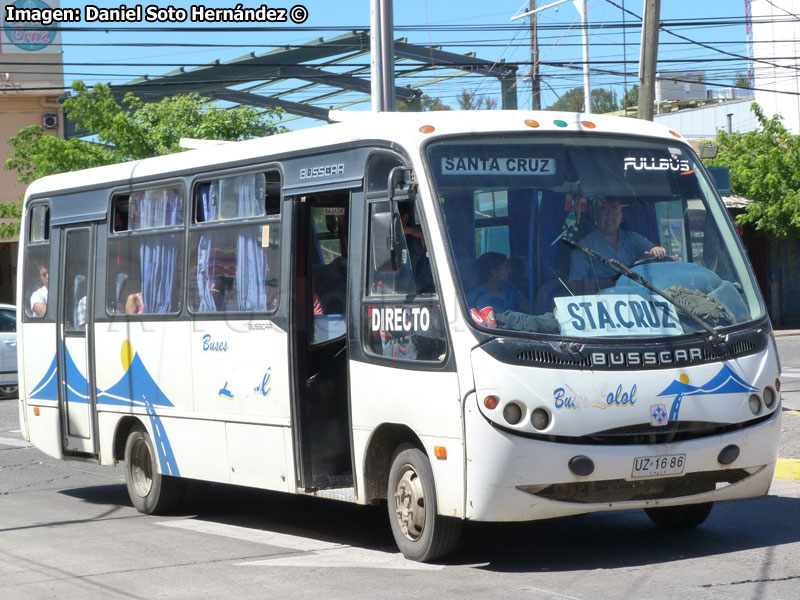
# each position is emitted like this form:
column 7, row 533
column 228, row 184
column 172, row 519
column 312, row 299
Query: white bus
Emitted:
column 488, row 316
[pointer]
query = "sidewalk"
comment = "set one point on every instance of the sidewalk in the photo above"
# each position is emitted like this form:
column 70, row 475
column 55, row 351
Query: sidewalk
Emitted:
column 786, row 332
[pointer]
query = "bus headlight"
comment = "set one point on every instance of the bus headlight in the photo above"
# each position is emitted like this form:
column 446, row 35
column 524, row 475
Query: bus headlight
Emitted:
column 755, row 404
column 540, row 419
column 512, row 413
column 769, row 397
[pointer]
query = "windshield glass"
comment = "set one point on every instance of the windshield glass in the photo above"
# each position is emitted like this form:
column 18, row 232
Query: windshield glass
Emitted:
column 530, row 219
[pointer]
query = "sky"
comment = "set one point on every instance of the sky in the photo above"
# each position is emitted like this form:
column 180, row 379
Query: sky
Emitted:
column 712, row 36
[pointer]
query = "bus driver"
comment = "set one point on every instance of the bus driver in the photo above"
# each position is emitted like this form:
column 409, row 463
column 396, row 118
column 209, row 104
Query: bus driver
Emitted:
column 609, row 240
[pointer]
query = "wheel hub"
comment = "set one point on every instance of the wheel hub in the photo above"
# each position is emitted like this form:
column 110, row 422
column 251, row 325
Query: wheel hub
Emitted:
column 410, row 504
column 141, row 468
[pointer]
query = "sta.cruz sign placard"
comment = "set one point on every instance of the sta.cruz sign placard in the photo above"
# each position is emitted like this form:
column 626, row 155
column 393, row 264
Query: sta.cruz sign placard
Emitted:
column 29, row 37
column 613, row 315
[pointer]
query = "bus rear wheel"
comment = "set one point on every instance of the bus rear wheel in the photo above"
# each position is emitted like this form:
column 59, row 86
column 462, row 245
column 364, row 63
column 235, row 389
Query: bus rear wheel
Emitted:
column 420, row 532
column 150, row 491
column 680, row 517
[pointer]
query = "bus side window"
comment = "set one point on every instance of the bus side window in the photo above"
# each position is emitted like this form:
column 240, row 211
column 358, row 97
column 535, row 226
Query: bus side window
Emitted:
column 36, row 279
column 145, row 252
column 401, row 315
column 235, row 266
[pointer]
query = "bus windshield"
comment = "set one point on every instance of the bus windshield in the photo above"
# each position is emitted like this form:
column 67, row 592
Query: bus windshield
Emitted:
column 590, row 237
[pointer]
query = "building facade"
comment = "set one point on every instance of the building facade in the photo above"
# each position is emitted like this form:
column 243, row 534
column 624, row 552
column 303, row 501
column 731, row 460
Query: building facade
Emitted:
column 31, row 81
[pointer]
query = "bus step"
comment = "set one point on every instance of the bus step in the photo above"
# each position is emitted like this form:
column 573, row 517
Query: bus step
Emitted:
column 347, row 494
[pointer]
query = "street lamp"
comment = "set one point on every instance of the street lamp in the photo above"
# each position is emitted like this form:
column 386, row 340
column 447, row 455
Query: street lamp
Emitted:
column 581, row 7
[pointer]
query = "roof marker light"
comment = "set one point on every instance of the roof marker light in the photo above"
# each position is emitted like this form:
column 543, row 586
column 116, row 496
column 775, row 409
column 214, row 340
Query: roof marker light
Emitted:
column 588, row 124
column 560, row 123
column 427, row 129
column 531, row 123
column 675, row 133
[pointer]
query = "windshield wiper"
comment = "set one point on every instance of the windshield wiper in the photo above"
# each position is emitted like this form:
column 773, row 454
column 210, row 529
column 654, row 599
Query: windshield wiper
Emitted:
column 714, row 337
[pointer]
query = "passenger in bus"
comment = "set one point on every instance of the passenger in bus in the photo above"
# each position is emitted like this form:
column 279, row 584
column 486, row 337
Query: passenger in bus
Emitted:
column 39, row 296
column 417, row 250
column 496, row 290
column 587, row 273
column 217, row 290
column 134, row 304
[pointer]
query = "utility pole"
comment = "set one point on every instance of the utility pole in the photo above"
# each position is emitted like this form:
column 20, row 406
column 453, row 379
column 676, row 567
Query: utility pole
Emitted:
column 536, row 91
column 382, row 55
column 581, row 7
column 648, row 59
column 587, row 88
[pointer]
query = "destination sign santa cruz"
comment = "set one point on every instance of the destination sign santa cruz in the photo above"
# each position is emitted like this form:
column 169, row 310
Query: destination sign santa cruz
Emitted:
column 481, row 165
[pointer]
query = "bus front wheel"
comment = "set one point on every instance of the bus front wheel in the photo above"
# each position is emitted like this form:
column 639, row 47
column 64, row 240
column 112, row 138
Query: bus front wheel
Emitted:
column 679, row 517
column 420, row 532
column 150, row 491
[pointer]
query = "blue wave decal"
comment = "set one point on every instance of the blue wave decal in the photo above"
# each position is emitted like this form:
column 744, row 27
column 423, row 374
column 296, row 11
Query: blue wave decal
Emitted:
column 724, row 382
column 136, row 388
column 47, row 388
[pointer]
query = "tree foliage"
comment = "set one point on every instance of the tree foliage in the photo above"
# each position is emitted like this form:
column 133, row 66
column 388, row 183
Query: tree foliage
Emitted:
column 603, row 101
column 470, row 100
column 631, row 98
column 765, row 168
column 427, row 103
column 125, row 130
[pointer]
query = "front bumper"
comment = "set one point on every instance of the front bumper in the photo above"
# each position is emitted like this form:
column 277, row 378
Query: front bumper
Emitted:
column 513, row 478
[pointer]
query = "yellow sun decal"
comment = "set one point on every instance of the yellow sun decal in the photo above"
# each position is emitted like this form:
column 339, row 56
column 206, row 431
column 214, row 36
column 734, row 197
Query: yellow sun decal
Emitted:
column 684, row 379
column 126, row 354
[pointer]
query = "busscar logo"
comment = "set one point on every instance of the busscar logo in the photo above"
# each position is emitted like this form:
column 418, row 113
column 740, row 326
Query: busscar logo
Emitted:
column 656, row 164
column 649, row 358
column 322, row 171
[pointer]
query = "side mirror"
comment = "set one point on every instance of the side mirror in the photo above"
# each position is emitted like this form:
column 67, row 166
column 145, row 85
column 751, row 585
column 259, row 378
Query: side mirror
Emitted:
column 387, row 247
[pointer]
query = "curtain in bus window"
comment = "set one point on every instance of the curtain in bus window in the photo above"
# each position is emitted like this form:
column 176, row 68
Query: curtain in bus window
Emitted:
column 206, row 266
column 158, row 255
column 251, row 269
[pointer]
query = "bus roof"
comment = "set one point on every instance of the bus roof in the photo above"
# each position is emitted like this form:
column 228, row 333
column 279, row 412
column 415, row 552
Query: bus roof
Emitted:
column 349, row 126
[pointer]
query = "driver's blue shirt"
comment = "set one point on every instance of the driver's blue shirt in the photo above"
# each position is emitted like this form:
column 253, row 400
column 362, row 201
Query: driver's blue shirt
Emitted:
column 583, row 267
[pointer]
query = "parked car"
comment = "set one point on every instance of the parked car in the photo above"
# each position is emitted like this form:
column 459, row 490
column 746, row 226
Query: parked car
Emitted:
column 9, row 383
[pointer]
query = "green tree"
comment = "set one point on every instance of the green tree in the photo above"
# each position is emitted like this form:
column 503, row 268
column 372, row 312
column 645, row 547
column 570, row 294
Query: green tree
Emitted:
column 765, row 168
column 631, row 98
column 741, row 81
column 428, row 103
column 469, row 100
column 125, row 130
column 603, row 101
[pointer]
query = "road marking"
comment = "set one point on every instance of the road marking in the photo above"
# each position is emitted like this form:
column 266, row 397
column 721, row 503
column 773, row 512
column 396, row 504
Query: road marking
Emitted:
column 17, row 443
column 344, row 558
column 787, row 468
column 549, row 593
column 790, row 372
column 791, row 412
column 320, row 553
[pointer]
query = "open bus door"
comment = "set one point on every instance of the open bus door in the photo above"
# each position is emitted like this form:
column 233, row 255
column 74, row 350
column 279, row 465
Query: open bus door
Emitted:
column 76, row 376
column 321, row 403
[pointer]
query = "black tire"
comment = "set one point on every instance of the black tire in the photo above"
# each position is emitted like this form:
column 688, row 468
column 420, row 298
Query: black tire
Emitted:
column 680, row 517
column 150, row 491
column 9, row 391
column 420, row 532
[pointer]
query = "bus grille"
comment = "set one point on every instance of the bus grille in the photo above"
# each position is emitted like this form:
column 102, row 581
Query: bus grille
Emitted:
column 621, row 490
column 544, row 357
